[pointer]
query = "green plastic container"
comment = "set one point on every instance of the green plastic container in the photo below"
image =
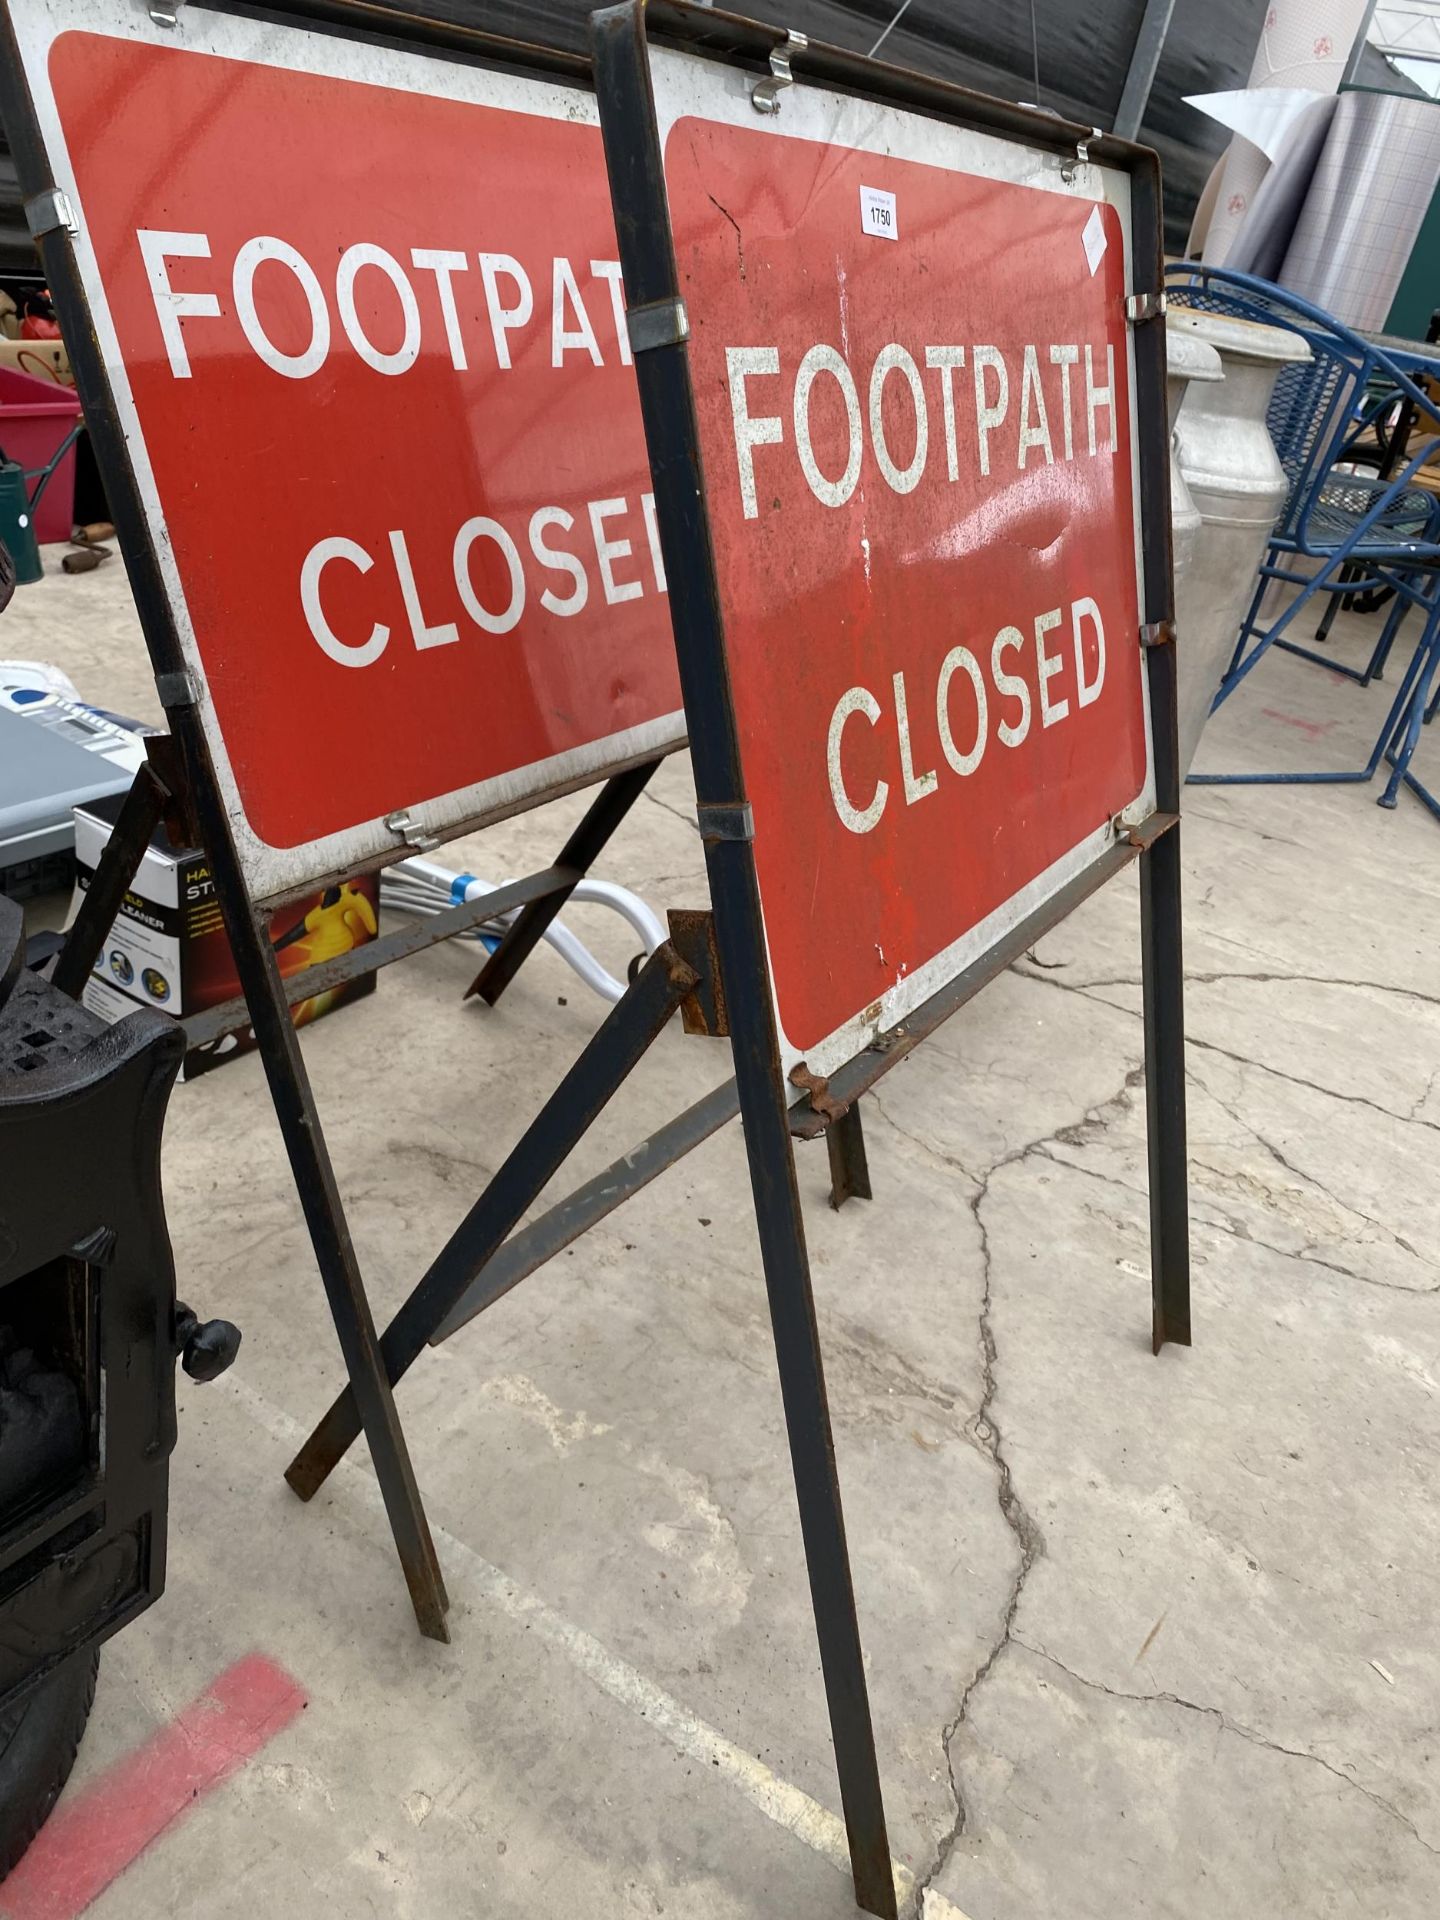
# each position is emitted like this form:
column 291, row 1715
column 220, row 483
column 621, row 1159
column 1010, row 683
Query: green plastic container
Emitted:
column 17, row 525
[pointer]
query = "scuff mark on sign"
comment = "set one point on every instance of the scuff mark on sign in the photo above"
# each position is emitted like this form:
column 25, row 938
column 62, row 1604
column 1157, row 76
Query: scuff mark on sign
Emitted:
column 739, row 237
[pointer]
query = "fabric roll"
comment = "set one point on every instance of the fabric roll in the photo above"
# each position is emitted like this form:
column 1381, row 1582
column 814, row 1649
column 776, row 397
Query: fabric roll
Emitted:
column 1304, row 43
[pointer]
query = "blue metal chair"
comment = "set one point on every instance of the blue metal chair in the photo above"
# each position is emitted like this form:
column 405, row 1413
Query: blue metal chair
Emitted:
column 1364, row 530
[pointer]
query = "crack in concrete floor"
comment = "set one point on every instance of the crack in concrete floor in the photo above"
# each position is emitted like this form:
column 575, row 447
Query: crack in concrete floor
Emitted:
column 1244, row 1063
column 1017, row 1517
column 1239, row 1229
column 1044, row 975
column 1282, row 1160
column 1224, row 976
column 1028, row 1536
column 1235, row 1727
column 665, row 807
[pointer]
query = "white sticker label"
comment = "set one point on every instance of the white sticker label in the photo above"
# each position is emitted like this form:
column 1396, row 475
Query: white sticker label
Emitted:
column 1094, row 238
column 877, row 213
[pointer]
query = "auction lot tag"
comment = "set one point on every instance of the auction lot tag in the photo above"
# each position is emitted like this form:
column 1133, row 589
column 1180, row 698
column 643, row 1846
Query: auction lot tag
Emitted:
column 920, row 466
column 362, row 316
column 877, row 213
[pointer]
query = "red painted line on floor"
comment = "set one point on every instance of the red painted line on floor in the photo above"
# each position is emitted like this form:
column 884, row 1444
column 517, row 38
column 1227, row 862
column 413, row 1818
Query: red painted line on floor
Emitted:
column 93, row 1835
column 1314, row 728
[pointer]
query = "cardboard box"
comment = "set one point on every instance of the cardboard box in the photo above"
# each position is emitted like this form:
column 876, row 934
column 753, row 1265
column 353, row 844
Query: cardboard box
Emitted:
column 168, row 948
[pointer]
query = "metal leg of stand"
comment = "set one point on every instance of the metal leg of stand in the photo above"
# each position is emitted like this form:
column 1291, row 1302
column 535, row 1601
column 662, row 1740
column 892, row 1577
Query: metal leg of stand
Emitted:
column 768, row 1146
column 849, row 1165
column 248, row 929
column 1164, row 998
column 335, row 1255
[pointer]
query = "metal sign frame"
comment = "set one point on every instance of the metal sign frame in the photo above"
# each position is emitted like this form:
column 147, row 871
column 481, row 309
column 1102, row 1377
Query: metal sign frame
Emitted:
column 1052, row 817
column 274, row 869
column 635, row 157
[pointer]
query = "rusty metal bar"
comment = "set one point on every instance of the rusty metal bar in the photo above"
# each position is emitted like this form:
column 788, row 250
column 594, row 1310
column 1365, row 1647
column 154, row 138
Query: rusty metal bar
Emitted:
column 1162, row 958
column 1162, row 969
column 529, row 1249
column 314, row 1172
column 849, row 1162
column 400, row 27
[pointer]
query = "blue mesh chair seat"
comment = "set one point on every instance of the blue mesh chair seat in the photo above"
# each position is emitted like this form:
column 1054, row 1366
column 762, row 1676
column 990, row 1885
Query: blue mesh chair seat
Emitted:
column 1406, row 526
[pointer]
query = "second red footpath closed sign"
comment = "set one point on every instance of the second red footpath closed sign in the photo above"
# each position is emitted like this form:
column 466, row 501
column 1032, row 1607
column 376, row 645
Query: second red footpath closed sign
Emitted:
column 910, row 355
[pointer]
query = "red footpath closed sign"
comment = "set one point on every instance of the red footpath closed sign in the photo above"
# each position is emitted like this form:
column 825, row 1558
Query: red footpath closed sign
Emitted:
column 364, row 321
column 910, row 358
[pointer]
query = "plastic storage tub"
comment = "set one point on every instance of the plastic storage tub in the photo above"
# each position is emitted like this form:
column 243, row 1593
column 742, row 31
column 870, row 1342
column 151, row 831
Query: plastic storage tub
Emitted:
column 35, row 416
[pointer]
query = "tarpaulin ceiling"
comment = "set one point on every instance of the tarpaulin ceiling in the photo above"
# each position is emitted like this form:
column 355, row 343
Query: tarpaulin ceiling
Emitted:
column 1083, row 57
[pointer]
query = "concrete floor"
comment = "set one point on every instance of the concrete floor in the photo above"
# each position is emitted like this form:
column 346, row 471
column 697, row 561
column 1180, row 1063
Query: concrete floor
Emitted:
column 1145, row 1637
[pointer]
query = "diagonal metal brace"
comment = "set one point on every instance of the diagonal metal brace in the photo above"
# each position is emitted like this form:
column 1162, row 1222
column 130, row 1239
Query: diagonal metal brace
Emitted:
column 577, row 856
column 616, row 1048
column 540, row 1240
column 139, row 816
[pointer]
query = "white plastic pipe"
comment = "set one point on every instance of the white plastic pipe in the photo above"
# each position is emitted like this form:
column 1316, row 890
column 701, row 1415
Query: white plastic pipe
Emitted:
column 423, row 886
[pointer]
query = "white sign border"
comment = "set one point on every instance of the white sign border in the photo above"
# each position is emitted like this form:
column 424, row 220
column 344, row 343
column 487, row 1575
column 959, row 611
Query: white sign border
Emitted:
column 273, row 873
column 692, row 85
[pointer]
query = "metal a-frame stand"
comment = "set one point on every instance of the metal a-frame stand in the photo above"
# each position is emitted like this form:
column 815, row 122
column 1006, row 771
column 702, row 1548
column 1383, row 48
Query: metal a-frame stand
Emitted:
column 720, row 969
column 637, row 176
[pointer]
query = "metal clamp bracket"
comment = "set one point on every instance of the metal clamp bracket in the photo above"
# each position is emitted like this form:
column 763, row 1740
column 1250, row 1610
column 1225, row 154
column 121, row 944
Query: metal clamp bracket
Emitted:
column 177, row 690
column 726, row 822
column 165, row 13
column 818, row 1088
column 1158, row 633
column 1069, row 168
column 1142, row 834
column 411, row 831
column 51, row 212
column 703, row 1010
column 657, row 323
column 1140, row 307
column 765, row 94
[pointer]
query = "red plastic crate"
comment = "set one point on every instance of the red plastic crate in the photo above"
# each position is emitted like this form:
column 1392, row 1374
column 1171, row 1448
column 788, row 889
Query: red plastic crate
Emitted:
column 35, row 416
